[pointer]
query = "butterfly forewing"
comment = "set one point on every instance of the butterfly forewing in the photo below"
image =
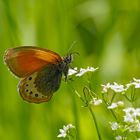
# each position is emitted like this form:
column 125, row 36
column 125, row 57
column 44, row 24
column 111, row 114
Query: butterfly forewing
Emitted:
column 23, row 61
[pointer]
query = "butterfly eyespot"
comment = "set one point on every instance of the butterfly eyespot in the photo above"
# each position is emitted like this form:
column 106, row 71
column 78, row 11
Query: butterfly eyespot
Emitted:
column 31, row 92
column 36, row 95
column 30, row 78
column 27, row 85
column 27, row 90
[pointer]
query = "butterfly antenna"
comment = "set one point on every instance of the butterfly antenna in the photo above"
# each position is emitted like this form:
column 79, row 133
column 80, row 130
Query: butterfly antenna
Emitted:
column 71, row 46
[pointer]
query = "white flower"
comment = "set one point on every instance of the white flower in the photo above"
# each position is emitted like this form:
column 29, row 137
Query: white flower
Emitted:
column 114, row 125
column 135, row 126
column 62, row 134
column 136, row 83
column 121, row 88
column 137, row 111
column 115, row 105
column 70, row 126
column 106, row 87
column 115, row 87
column 128, row 118
column 131, row 114
column 131, row 111
column 79, row 72
column 120, row 138
column 64, row 131
column 72, row 71
column 120, row 103
column 96, row 101
column 83, row 71
column 112, row 106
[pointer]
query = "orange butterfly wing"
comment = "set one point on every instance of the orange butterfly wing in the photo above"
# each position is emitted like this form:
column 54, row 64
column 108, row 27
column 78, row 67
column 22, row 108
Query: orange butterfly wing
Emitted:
column 25, row 60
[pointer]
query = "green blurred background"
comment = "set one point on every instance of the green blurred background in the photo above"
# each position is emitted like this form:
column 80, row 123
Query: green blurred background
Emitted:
column 107, row 33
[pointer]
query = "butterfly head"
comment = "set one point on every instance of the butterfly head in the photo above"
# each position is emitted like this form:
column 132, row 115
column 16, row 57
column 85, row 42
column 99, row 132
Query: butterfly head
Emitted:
column 66, row 64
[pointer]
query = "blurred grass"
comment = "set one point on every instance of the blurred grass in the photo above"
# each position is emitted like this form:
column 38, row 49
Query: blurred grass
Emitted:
column 108, row 36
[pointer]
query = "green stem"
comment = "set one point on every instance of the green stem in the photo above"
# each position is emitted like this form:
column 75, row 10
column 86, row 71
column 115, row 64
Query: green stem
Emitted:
column 114, row 115
column 107, row 105
column 76, row 115
column 79, row 95
column 133, row 98
column 113, row 97
column 127, row 97
column 93, row 116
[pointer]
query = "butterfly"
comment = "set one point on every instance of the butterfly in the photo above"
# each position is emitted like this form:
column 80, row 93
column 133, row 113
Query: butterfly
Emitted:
column 40, row 71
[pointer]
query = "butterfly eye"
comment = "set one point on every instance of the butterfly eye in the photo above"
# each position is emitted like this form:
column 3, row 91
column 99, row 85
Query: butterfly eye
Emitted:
column 68, row 59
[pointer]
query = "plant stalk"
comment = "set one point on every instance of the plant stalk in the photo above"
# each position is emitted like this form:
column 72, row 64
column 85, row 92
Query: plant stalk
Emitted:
column 95, row 122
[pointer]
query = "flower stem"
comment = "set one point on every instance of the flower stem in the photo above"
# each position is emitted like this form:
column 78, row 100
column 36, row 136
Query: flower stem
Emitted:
column 93, row 116
column 114, row 115
column 114, row 94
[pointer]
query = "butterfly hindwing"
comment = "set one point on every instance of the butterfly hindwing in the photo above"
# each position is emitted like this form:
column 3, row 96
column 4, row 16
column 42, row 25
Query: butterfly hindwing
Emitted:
column 40, row 86
column 29, row 92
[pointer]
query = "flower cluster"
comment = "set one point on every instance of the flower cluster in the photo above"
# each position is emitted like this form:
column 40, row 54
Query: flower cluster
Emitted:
column 118, row 88
column 80, row 72
column 115, row 87
column 120, row 138
column 135, row 83
column 115, row 105
column 65, row 131
column 127, row 119
column 95, row 101
column 130, row 122
column 114, row 125
column 131, row 118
